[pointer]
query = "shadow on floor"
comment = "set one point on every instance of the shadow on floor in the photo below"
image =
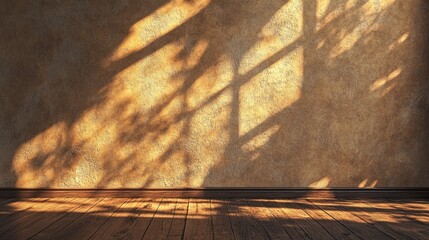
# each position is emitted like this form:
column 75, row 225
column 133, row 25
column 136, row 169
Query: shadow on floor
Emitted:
column 171, row 218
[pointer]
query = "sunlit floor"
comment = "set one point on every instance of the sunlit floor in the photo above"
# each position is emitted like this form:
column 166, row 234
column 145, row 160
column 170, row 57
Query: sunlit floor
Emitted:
column 173, row 218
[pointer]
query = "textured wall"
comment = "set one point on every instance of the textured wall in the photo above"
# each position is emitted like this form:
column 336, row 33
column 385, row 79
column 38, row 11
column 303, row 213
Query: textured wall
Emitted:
column 221, row 93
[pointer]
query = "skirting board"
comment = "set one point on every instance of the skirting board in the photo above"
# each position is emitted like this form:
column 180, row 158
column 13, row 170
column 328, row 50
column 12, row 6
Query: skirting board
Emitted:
column 221, row 193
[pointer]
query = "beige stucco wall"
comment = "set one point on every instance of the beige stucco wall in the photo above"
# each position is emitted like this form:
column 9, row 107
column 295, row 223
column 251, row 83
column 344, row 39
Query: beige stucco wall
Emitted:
column 221, row 93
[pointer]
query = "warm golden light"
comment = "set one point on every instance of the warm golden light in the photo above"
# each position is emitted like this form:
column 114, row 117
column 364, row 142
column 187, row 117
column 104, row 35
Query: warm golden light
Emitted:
column 213, row 94
column 322, row 183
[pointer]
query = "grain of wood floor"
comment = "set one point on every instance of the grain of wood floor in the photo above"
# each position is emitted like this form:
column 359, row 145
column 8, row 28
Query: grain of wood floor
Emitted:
column 181, row 218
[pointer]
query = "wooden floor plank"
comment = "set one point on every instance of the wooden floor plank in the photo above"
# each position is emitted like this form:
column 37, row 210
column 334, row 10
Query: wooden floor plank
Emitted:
column 117, row 222
column 14, row 222
column 17, row 206
column 32, row 225
column 267, row 220
column 171, row 218
column 198, row 221
column 243, row 225
column 417, row 210
column 88, row 223
column 136, row 223
column 258, row 230
column 380, row 220
column 335, row 228
column 390, row 221
column 357, row 225
column 6, row 200
column 239, row 225
column 56, row 228
column 284, row 219
column 161, row 223
column 221, row 220
column 313, row 229
column 129, row 219
column 177, row 228
column 6, row 207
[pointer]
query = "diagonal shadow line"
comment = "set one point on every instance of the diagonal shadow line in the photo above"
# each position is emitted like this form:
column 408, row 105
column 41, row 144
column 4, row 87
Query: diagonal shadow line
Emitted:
column 244, row 78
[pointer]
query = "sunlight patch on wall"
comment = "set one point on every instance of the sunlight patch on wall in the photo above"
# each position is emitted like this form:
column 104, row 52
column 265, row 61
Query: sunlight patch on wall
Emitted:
column 36, row 161
column 385, row 82
column 399, row 41
column 276, row 35
column 212, row 84
column 208, row 133
column 154, row 26
column 152, row 81
column 322, row 183
column 365, row 183
column 259, row 141
column 177, row 162
column 369, row 21
column 329, row 11
column 271, row 91
column 213, row 93
column 193, row 58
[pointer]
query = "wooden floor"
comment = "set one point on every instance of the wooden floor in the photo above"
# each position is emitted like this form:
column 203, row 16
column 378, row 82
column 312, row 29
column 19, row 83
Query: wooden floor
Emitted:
column 173, row 218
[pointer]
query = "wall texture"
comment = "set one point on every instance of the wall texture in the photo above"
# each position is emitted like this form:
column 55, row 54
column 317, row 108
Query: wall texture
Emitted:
column 220, row 93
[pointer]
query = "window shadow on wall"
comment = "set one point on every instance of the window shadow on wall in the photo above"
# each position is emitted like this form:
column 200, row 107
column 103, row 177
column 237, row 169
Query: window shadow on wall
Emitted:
column 97, row 96
column 362, row 109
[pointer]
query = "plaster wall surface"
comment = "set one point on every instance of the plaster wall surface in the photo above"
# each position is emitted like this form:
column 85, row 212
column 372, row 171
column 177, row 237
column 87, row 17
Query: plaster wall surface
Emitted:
column 221, row 93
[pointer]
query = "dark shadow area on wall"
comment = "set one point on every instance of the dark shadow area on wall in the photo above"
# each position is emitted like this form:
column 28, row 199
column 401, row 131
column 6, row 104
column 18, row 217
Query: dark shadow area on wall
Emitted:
column 360, row 119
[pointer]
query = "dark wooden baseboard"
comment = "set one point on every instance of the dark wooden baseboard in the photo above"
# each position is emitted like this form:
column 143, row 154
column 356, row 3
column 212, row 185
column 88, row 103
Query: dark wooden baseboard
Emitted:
column 221, row 193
